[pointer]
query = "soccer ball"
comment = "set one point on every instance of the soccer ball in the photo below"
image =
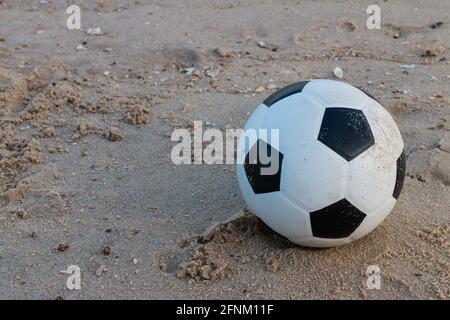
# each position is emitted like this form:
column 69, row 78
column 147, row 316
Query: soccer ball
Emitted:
column 341, row 163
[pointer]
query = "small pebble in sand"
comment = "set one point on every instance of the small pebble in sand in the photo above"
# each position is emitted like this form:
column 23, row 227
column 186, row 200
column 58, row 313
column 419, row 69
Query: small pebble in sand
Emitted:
column 63, row 247
column 297, row 39
column 407, row 66
column 430, row 53
column 164, row 267
column 261, row 44
column 95, row 31
column 271, row 86
column 260, row 89
column 188, row 71
column 224, row 52
column 268, row 46
column 80, row 47
column 107, row 250
column 348, row 26
column 134, row 261
column 338, row 73
column 436, row 25
column 212, row 73
column 101, row 270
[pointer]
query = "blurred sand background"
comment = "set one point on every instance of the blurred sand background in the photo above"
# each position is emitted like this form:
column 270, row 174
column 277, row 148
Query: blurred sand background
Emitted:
column 85, row 171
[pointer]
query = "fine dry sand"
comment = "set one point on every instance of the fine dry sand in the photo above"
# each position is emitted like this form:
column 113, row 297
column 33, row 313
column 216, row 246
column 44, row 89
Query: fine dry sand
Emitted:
column 85, row 172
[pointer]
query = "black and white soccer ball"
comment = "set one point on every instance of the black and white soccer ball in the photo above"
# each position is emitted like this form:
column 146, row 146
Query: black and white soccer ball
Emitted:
column 341, row 163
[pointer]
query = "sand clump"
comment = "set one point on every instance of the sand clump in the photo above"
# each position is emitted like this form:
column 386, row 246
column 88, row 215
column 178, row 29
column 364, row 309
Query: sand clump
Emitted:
column 114, row 133
column 16, row 155
column 214, row 253
column 137, row 115
column 28, row 104
column 47, row 132
column 224, row 52
column 273, row 263
column 211, row 259
column 440, row 166
column 438, row 234
column 18, row 191
column 32, row 153
column 444, row 143
column 18, row 214
column 206, row 264
column 85, row 128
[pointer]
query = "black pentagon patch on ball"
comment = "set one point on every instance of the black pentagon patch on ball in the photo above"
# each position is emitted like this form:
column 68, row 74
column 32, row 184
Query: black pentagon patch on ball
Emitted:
column 346, row 131
column 336, row 221
column 400, row 178
column 263, row 182
column 285, row 92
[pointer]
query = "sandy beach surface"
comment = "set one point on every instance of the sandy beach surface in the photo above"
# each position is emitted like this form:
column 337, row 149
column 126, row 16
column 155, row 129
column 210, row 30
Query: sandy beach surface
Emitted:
column 86, row 177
